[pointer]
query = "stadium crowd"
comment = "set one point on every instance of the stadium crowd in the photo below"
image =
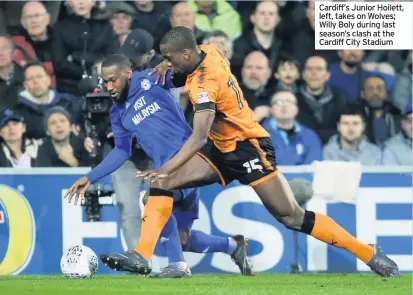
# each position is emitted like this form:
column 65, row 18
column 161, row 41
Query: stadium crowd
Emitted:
column 346, row 105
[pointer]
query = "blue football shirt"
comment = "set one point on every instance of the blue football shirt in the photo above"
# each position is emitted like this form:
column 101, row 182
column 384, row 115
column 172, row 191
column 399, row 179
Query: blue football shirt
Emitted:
column 153, row 116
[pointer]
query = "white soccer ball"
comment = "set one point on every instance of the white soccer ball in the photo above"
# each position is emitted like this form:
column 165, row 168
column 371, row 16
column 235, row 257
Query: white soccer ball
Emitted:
column 79, row 262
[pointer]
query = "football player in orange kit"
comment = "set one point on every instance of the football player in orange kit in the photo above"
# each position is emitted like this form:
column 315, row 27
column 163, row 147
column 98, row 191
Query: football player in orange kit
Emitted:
column 232, row 145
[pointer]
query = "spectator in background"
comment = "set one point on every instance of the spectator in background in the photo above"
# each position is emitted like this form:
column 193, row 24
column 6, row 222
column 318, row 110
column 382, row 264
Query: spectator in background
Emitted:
column 301, row 43
column 383, row 118
column 11, row 11
column 138, row 47
column 294, row 143
column 255, row 75
column 217, row 15
column 287, row 74
column 61, row 148
column 319, row 104
column 349, row 74
column 400, row 145
column 350, row 144
column 16, row 150
column 147, row 13
column 262, row 37
column 182, row 14
column 220, row 38
column 37, row 98
column 394, row 59
column 402, row 90
column 122, row 16
column 81, row 40
column 11, row 74
column 34, row 40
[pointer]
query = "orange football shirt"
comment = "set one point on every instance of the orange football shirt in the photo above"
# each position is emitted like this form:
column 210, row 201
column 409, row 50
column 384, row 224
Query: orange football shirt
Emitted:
column 212, row 83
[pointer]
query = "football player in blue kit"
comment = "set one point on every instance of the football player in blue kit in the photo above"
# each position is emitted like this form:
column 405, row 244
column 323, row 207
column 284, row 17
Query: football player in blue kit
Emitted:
column 147, row 111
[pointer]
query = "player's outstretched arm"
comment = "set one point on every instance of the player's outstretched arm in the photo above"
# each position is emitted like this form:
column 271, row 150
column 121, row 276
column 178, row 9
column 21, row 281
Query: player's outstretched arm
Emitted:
column 202, row 124
column 116, row 158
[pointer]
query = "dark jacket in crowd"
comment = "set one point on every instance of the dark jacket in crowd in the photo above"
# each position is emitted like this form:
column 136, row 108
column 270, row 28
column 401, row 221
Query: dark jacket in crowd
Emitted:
column 148, row 20
column 43, row 49
column 258, row 98
column 248, row 43
column 301, row 45
column 78, row 41
column 320, row 113
column 29, row 146
column 34, row 113
column 47, row 156
column 9, row 88
column 379, row 130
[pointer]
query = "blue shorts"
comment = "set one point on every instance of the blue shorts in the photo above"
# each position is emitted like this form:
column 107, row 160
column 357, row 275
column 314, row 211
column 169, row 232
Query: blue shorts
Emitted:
column 186, row 206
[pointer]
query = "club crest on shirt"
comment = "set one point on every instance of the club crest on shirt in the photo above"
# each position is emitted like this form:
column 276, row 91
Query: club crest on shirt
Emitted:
column 145, row 84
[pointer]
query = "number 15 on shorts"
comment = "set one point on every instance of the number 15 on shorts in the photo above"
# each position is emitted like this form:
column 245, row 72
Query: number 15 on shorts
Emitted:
column 252, row 166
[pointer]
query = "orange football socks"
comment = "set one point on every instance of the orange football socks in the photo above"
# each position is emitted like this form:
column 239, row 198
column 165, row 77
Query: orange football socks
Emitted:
column 327, row 230
column 157, row 212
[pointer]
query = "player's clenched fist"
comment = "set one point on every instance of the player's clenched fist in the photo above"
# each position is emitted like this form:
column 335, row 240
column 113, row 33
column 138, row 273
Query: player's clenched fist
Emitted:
column 78, row 189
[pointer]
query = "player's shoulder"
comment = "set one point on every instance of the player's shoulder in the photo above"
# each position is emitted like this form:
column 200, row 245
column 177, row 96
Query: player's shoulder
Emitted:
column 213, row 50
column 142, row 80
column 207, row 72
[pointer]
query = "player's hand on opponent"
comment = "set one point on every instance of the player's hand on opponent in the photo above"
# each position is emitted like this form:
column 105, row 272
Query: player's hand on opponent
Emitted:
column 78, row 189
column 160, row 71
column 152, row 174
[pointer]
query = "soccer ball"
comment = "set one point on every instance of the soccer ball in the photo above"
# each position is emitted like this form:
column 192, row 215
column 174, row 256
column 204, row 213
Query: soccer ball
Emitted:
column 79, row 262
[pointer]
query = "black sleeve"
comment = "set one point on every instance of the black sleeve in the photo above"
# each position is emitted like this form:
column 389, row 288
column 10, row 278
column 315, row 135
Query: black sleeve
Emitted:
column 205, row 106
column 60, row 52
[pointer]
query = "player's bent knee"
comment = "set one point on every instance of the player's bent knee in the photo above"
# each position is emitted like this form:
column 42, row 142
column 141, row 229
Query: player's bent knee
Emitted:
column 293, row 221
column 184, row 237
column 164, row 184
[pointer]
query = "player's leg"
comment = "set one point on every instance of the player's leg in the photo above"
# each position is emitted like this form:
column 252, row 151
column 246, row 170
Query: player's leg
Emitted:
column 276, row 195
column 236, row 246
column 195, row 172
column 127, row 188
column 186, row 211
column 177, row 267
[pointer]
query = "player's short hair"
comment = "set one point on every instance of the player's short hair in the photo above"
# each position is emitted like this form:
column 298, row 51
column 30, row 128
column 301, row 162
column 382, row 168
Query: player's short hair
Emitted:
column 352, row 109
column 119, row 60
column 179, row 38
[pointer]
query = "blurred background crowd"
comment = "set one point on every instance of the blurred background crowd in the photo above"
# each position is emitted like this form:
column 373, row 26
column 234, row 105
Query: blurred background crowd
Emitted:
column 346, row 105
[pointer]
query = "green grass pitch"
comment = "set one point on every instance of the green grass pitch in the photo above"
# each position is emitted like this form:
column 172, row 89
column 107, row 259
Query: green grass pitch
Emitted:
column 274, row 284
